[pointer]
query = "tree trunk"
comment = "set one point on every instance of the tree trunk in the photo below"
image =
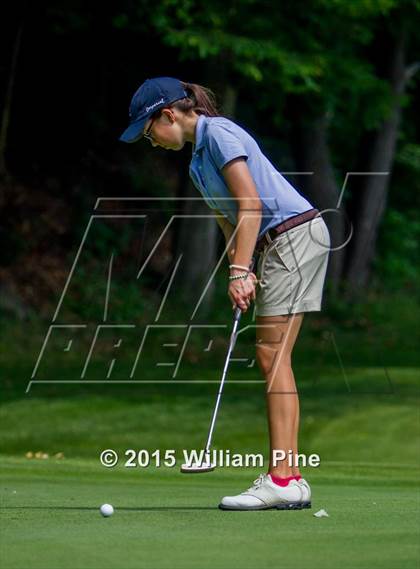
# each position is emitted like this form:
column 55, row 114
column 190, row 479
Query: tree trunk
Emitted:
column 7, row 106
column 374, row 188
column 310, row 143
column 197, row 243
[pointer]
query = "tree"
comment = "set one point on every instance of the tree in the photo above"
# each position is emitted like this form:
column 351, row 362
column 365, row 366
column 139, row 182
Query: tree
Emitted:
column 4, row 173
column 380, row 158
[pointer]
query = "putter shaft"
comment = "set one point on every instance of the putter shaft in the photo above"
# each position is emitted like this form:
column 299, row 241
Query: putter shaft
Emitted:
column 232, row 342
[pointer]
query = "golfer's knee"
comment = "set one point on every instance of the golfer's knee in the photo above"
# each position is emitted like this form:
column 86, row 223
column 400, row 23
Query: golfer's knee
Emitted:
column 270, row 359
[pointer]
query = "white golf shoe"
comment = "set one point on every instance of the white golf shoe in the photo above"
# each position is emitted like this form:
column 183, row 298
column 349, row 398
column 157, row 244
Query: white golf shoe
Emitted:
column 306, row 493
column 265, row 495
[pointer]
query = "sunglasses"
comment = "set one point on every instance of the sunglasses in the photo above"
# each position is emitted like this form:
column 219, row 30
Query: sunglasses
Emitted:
column 147, row 134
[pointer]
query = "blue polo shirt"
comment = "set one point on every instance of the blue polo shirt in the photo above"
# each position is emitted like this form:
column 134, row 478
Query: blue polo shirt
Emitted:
column 219, row 140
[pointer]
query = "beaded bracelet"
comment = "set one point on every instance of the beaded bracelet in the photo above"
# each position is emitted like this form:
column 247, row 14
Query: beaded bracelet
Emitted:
column 241, row 276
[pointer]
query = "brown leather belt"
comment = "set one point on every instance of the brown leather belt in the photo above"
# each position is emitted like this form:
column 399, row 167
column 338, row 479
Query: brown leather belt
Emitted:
column 284, row 226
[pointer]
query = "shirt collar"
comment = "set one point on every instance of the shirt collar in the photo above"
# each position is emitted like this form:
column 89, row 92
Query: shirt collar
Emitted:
column 199, row 132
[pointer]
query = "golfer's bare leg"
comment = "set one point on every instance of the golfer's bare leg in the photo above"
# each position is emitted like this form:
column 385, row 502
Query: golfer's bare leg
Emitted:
column 274, row 345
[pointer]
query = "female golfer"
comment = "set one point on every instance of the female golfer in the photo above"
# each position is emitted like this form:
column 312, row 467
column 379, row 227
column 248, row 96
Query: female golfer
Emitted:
column 259, row 211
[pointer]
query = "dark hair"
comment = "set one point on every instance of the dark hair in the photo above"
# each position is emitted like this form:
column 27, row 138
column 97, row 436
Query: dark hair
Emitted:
column 200, row 99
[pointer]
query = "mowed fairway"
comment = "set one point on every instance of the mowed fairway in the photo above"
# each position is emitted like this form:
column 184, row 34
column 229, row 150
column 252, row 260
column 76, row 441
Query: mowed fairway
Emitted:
column 368, row 479
column 165, row 519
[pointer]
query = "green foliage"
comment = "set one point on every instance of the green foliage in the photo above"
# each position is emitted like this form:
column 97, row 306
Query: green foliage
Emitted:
column 88, row 292
column 254, row 42
column 398, row 258
column 360, row 8
column 410, row 156
column 120, row 21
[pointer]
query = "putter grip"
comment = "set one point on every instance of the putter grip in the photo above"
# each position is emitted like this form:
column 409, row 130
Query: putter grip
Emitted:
column 238, row 311
column 237, row 314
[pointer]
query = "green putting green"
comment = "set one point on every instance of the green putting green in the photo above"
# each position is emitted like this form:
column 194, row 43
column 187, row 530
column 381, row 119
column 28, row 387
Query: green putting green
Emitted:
column 367, row 437
column 165, row 519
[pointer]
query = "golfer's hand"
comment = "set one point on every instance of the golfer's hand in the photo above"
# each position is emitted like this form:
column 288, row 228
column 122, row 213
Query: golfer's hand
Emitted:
column 242, row 291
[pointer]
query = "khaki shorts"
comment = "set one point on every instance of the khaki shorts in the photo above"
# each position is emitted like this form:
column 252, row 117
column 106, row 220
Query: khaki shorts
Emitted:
column 292, row 269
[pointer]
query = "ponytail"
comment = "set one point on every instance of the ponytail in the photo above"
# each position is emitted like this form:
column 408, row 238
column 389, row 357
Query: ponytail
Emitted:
column 200, row 99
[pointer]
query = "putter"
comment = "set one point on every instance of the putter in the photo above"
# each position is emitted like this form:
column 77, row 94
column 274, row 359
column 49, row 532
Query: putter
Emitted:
column 205, row 464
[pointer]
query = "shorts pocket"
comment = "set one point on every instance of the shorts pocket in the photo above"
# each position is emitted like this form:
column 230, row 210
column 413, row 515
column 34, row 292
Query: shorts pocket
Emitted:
column 279, row 255
column 283, row 254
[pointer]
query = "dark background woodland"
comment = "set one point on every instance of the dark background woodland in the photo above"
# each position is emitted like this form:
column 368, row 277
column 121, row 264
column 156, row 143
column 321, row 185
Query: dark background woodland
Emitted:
column 330, row 87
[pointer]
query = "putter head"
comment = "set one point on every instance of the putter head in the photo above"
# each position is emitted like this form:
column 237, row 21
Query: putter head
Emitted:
column 197, row 467
column 204, row 464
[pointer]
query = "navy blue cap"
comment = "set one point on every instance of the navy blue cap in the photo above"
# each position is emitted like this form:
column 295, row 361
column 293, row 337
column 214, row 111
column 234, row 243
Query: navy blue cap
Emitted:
column 152, row 95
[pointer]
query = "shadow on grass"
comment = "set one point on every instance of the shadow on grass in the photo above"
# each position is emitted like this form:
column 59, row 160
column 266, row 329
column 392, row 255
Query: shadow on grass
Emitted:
column 117, row 509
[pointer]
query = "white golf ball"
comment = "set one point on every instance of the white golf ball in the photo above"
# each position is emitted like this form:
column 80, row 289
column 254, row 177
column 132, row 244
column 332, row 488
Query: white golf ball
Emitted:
column 106, row 510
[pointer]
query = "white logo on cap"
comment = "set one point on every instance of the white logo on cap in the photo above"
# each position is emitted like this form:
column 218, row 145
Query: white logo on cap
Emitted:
column 154, row 105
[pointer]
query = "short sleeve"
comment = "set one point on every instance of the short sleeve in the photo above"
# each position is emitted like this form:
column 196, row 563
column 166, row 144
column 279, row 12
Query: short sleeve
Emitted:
column 224, row 146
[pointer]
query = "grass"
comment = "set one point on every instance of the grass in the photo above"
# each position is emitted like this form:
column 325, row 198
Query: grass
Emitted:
column 165, row 519
column 358, row 380
column 370, row 424
column 367, row 480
